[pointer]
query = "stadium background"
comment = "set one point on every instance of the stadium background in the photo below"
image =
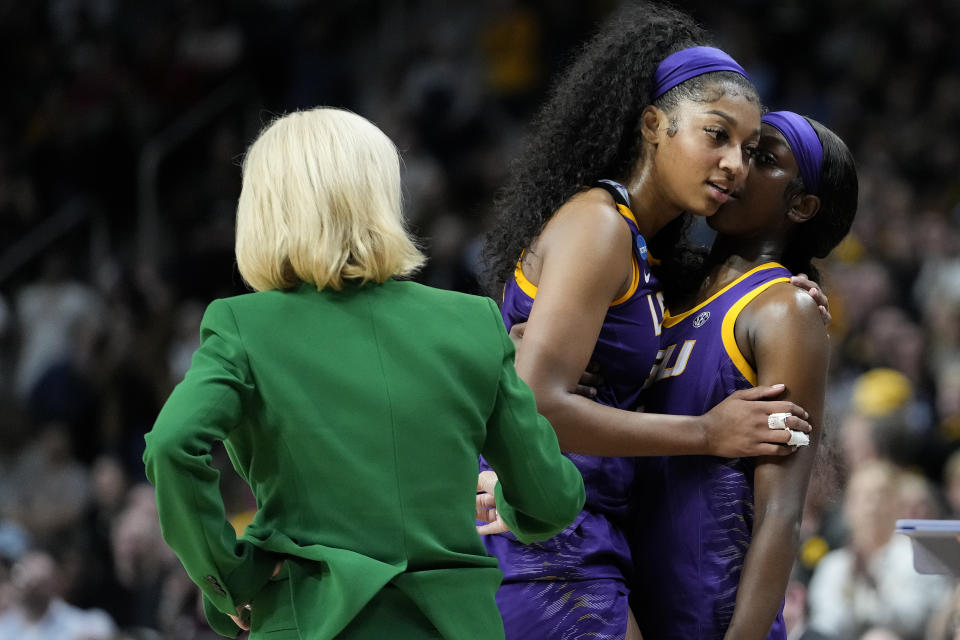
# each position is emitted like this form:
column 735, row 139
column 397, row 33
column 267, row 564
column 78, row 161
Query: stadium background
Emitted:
column 123, row 126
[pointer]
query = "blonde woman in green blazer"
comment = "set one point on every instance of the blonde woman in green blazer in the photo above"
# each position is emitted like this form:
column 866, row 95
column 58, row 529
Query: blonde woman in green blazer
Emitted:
column 355, row 405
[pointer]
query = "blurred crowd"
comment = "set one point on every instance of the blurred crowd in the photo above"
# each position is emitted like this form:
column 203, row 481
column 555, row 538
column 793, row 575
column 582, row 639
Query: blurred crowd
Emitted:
column 124, row 126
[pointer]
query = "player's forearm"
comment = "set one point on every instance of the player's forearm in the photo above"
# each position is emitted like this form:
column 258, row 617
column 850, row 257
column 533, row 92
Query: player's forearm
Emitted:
column 766, row 572
column 587, row 427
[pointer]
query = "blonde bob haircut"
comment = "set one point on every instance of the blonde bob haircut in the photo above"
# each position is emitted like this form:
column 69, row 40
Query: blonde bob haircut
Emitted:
column 320, row 204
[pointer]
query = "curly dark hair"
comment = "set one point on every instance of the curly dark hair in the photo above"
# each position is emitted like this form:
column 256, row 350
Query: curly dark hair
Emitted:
column 589, row 128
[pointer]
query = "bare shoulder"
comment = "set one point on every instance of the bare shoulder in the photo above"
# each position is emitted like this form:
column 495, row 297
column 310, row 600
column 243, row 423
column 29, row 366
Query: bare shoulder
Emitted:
column 590, row 215
column 786, row 310
column 781, row 333
column 784, row 298
column 588, row 230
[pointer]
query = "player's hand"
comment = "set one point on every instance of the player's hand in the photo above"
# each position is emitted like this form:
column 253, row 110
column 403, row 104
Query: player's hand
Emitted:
column 739, row 426
column 801, row 281
column 589, row 381
column 487, row 505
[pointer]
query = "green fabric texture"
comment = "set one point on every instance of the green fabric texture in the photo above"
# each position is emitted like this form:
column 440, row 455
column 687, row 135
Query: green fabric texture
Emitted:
column 357, row 418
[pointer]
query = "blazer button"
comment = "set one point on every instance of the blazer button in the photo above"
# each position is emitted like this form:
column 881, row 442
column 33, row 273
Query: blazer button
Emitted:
column 216, row 585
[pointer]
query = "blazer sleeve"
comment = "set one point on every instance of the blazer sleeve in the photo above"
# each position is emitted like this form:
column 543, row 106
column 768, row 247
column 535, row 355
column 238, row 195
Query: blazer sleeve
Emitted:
column 203, row 409
column 540, row 491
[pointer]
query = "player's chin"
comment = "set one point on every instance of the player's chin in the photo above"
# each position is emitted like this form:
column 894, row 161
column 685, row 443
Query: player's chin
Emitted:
column 706, row 209
column 720, row 220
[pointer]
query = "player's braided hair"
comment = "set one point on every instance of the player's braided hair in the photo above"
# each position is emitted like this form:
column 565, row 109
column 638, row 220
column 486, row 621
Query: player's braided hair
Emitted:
column 589, row 127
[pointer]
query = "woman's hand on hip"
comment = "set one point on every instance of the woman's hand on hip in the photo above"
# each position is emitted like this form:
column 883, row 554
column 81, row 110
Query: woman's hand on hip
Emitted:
column 242, row 619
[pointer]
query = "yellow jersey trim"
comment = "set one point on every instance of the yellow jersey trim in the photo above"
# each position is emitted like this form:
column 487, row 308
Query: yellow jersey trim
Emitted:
column 530, row 289
column 626, row 213
column 635, row 279
column 669, row 320
column 525, row 285
column 730, row 320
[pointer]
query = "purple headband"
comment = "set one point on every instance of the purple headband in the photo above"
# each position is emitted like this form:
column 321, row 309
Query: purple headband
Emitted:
column 804, row 142
column 689, row 63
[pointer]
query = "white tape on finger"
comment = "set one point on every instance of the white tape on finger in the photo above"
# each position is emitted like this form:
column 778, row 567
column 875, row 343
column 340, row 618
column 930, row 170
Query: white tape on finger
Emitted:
column 798, row 439
column 778, row 420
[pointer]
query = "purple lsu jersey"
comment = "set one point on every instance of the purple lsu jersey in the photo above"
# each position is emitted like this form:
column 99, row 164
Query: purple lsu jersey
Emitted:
column 694, row 514
column 594, row 546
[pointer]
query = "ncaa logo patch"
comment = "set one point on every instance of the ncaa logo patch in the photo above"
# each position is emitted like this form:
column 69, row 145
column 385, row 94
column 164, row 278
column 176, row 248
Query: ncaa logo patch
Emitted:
column 642, row 247
column 701, row 319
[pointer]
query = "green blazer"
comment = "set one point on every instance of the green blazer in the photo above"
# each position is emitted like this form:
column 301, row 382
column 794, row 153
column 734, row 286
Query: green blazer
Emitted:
column 357, row 418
